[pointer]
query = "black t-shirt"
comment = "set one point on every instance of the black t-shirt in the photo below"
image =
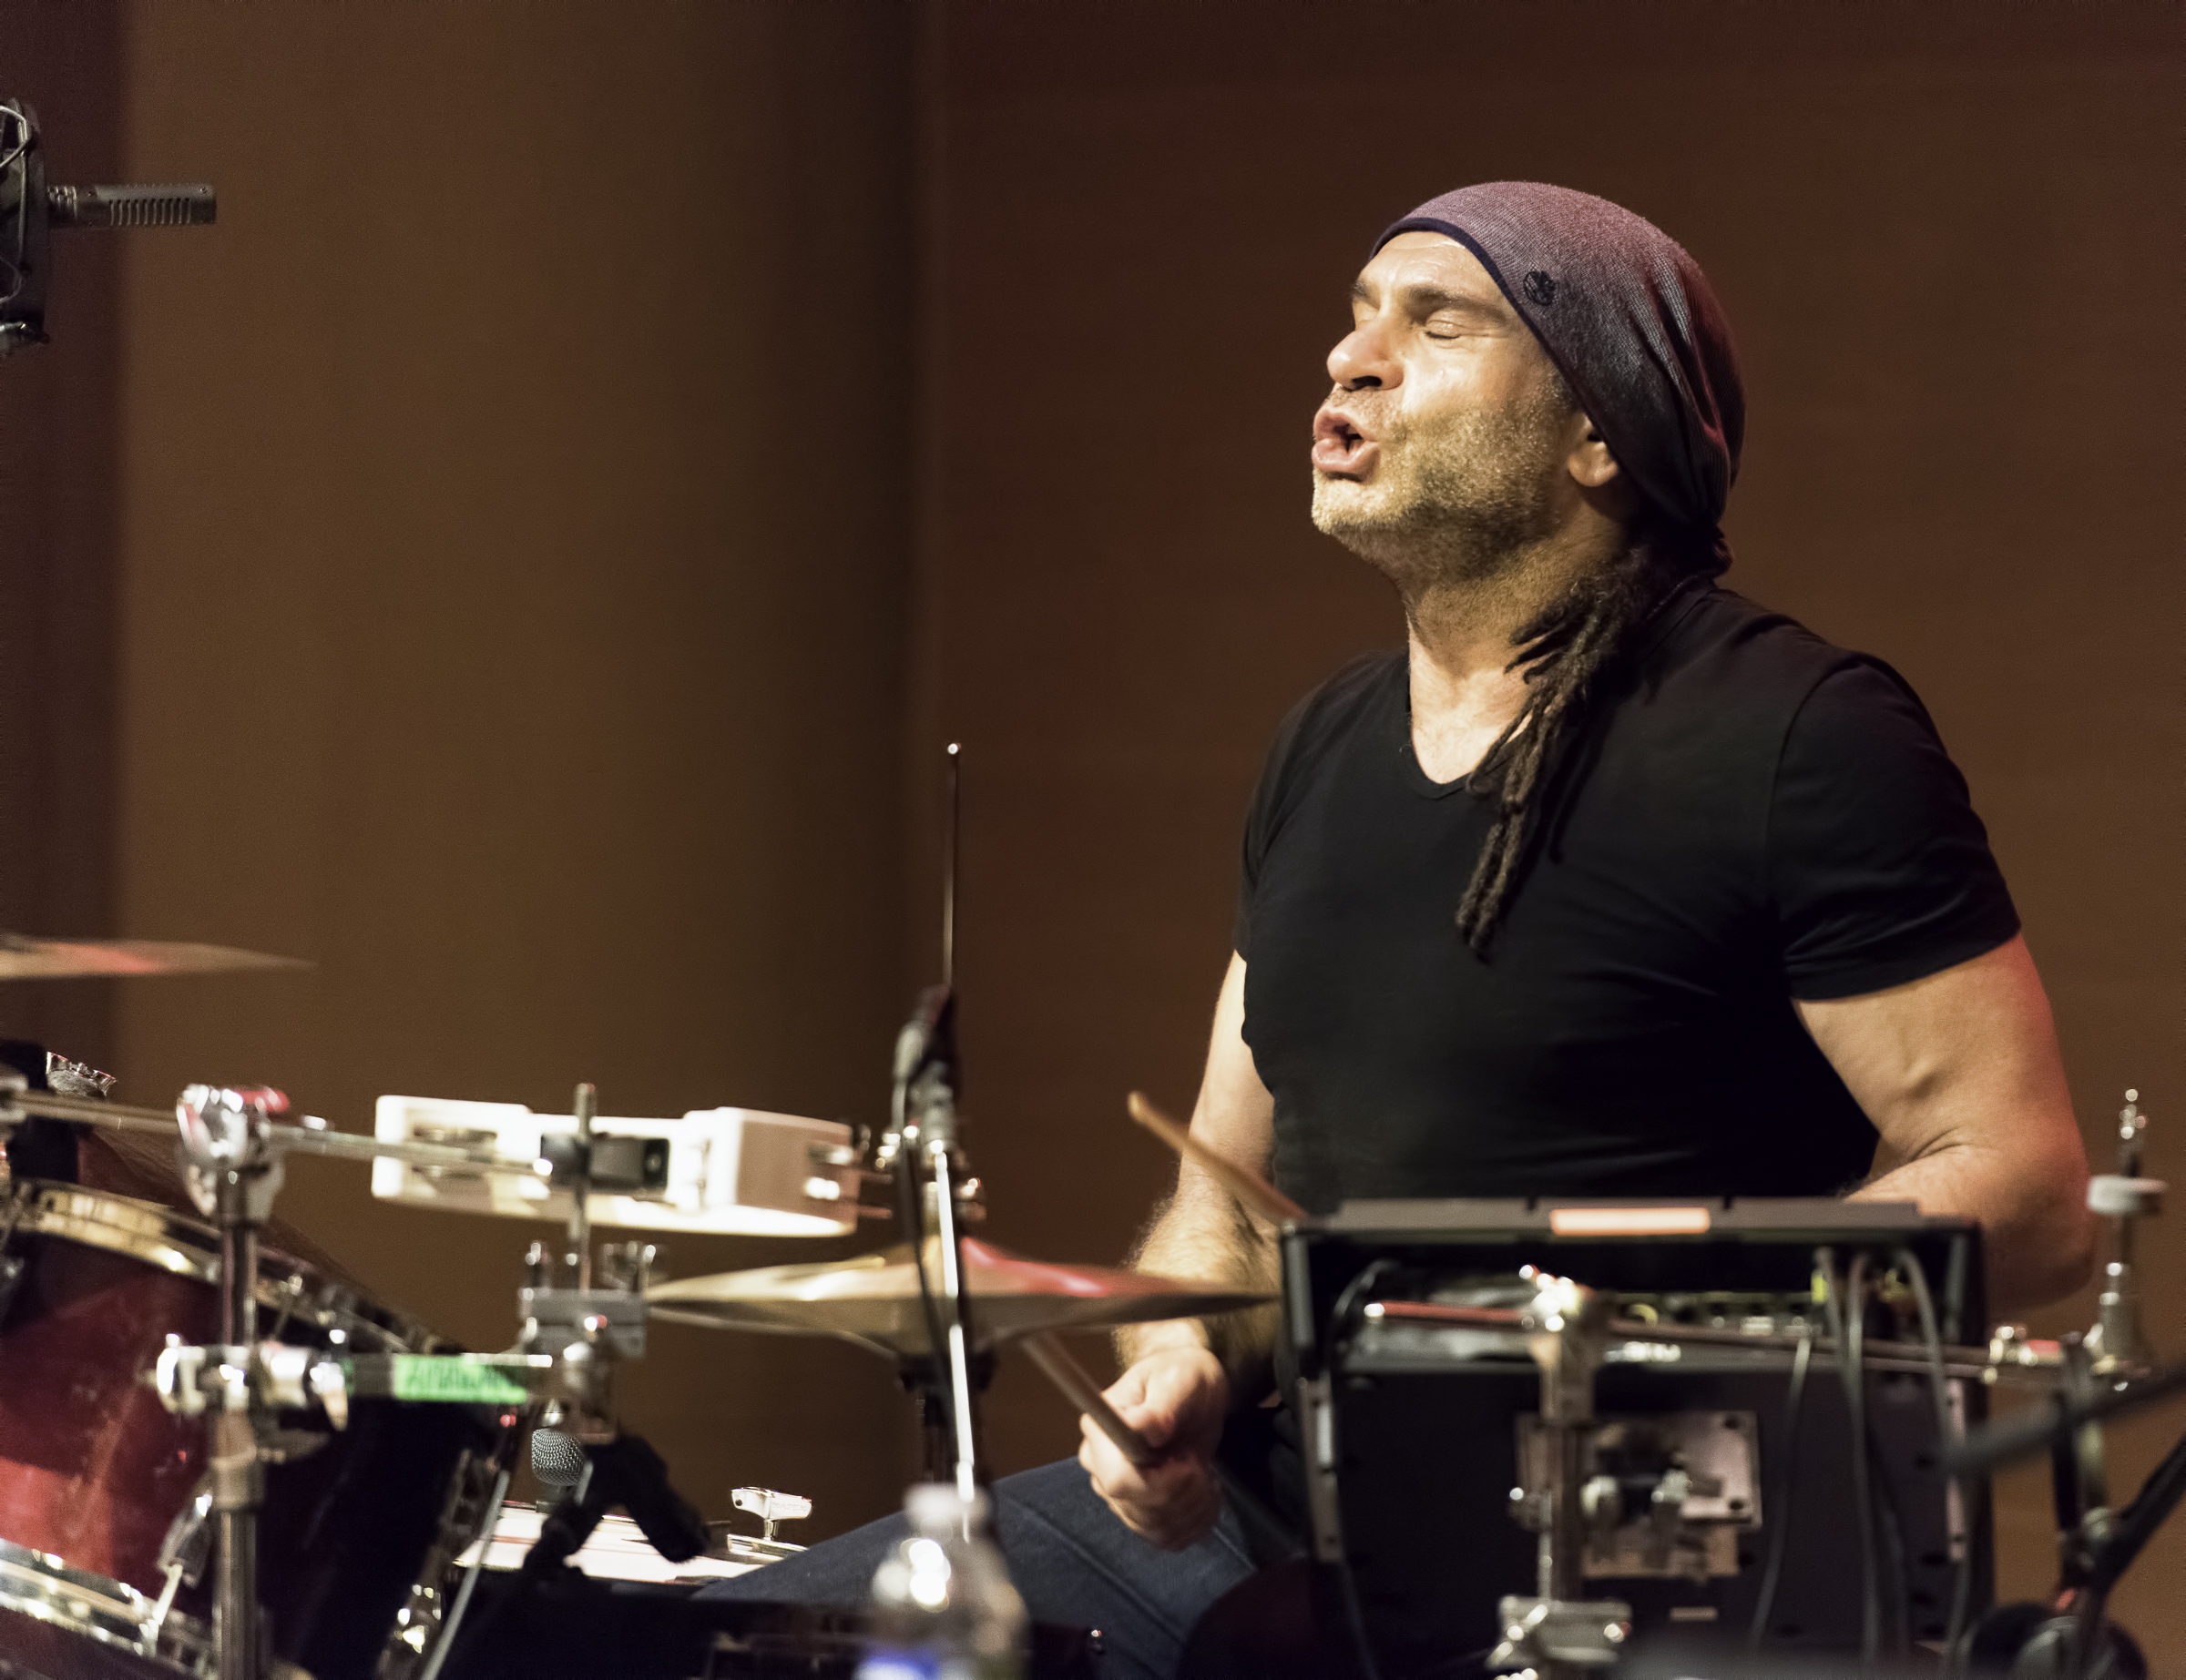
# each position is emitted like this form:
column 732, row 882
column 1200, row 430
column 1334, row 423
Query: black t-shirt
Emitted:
column 1747, row 816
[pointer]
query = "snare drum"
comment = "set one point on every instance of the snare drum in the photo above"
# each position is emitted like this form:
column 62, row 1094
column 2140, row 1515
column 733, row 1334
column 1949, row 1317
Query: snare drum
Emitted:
column 105, row 1541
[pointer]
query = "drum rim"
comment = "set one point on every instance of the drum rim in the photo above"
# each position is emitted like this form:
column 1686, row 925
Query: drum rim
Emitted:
column 156, row 1235
column 180, row 1643
column 41, row 1586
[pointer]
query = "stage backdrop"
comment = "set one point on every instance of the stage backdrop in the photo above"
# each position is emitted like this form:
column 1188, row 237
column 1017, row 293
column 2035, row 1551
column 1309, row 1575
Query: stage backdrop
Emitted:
column 513, row 507
column 543, row 534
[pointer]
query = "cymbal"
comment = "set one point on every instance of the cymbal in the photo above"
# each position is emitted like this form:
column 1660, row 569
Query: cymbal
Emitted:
column 873, row 1298
column 24, row 958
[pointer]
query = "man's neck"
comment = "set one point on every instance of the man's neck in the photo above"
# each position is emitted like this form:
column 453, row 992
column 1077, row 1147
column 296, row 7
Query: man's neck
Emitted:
column 1460, row 633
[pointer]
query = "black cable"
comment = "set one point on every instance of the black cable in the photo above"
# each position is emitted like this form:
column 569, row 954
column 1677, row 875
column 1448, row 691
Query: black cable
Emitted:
column 1946, row 1442
column 1852, row 1368
column 1891, row 1523
column 1339, row 1318
column 1849, row 1333
column 1780, row 1508
column 1355, row 1618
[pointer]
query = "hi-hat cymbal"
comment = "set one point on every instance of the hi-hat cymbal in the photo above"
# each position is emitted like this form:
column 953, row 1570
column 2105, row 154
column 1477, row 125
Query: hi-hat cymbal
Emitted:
column 24, row 958
column 873, row 1298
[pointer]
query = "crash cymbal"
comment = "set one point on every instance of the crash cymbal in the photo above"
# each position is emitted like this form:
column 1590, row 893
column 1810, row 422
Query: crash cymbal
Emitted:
column 873, row 1298
column 24, row 958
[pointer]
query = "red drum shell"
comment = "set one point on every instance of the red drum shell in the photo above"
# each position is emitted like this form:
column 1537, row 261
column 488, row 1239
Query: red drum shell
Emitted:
column 94, row 1471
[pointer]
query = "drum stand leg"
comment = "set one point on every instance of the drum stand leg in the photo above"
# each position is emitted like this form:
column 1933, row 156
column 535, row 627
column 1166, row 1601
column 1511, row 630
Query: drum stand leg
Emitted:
column 239, row 1489
column 234, row 1175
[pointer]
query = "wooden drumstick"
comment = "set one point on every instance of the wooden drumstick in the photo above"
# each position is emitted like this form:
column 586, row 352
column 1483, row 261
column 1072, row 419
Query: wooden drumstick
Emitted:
column 1249, row 1188
column 1056, row 1365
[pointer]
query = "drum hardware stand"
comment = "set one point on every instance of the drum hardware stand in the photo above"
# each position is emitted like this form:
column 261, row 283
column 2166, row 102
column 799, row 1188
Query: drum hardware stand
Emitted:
column 921, row 1147
column 2115, row 1347
column 1557, row 1633
column 233, row 1174
column 2068, row 1638
column 585, row 1330
column 2095, row 1543
column 2119, row 1342
column 232, row 1162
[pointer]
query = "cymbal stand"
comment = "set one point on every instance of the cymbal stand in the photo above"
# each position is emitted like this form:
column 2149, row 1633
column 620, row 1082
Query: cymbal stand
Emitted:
column 933, row 1187
column 922, row 1149
column 1557, row 1634
column 945, row 1161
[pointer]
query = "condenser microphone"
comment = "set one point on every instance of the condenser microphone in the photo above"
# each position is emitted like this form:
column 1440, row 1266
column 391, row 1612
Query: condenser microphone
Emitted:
column 30, row 210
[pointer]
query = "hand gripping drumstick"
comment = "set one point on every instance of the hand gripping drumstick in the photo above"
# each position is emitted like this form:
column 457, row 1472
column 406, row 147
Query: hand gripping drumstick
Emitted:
column 1056, row 1365
column 1253, row 1192
column 1054, row 1359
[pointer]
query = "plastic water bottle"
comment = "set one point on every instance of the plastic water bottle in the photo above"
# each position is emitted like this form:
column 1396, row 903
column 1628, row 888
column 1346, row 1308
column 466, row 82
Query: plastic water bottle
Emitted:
column 943, row 1607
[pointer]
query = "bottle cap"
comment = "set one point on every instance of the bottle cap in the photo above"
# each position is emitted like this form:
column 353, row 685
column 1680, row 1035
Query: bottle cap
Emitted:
column 934, row 1507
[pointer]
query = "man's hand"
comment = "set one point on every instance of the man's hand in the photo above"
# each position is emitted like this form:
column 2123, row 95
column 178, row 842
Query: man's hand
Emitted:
column 1176, row 1397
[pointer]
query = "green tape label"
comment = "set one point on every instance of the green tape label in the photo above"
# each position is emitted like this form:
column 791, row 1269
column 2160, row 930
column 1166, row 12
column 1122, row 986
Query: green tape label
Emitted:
column 419, row 1377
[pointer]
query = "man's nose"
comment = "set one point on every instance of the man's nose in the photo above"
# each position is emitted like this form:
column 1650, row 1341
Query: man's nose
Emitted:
column 1360, row 361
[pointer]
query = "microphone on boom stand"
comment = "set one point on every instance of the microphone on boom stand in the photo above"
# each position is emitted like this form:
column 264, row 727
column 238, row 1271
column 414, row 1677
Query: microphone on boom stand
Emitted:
column 30, row 210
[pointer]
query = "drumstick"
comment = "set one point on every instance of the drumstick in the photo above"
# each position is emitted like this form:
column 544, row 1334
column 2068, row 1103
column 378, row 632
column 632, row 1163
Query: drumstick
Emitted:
column 1249, row 1188
column 1056, row 1365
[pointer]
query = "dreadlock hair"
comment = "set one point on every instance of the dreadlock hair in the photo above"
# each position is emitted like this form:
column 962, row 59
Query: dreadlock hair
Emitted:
column 1566, row 651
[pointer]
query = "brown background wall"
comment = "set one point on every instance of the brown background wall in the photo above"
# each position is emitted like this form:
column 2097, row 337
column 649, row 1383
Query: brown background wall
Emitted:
column 495, row 634
column 538, row 578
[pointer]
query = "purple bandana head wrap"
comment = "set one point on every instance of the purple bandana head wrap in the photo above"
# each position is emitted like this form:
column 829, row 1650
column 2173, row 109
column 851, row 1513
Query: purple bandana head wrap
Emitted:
column 1628, row 319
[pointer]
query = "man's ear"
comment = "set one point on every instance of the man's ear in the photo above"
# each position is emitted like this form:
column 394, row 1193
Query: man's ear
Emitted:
column 1591, row 463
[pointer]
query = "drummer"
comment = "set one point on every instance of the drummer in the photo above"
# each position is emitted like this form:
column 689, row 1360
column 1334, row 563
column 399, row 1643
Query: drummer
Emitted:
column 1607, row 882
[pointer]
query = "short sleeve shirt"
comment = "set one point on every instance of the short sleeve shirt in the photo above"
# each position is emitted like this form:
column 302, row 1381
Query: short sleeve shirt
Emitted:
column 1744, row 816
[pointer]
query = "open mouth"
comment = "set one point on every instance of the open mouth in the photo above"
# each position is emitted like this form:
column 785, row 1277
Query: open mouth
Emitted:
column 1340, row 450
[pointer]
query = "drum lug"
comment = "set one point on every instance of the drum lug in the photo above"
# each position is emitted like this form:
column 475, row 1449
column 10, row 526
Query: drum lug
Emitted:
column 287, row 1446
column 331, row 1390
column 188, row 1544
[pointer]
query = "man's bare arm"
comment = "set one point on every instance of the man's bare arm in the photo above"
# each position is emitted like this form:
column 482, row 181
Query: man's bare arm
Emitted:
column 1960, row 1074
column 1202, row 1232
column 1181, row 1377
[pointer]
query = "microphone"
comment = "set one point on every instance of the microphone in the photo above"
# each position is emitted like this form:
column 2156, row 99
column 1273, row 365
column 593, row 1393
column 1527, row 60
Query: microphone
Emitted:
column 178, row 204
column 558, row 1460
column 29, row 210
column 624, row 1472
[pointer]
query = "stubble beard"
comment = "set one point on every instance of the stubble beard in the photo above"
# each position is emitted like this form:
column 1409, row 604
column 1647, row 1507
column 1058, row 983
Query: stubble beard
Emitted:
column 1461, row 502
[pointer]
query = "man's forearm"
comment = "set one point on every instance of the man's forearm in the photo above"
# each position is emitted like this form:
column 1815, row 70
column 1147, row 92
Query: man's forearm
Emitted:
column 1203, row 1234
column 2037, row 1237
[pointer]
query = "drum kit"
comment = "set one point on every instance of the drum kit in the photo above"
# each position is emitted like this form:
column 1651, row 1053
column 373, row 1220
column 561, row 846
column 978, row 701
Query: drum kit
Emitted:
column 221, row 1458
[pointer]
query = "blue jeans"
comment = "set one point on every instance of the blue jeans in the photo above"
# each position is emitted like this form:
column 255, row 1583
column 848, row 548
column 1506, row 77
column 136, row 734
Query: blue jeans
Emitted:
column 1074, row 1563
